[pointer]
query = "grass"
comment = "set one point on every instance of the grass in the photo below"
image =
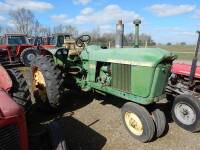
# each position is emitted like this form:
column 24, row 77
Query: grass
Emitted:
column 184, row 52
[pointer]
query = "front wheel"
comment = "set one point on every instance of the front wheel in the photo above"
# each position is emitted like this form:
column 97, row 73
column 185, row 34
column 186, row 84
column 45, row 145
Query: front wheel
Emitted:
column 138, row 122
column 186, row 112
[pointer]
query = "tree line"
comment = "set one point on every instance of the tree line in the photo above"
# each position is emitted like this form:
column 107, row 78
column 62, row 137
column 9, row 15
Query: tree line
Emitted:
column 24, row 21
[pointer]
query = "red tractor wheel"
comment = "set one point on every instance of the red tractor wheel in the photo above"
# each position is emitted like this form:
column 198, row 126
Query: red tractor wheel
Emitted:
column 20, row 90
column 28, row 55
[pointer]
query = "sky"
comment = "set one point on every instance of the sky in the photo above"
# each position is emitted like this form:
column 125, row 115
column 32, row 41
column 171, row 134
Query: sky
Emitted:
column 166, row 20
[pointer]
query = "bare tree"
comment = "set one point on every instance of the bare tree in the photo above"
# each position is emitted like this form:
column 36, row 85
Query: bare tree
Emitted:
column 144, row 39
column 9, row 29
column 1, row 29
column 71, row 30
column 24, row 20
column 58, row 29
column 36, row 28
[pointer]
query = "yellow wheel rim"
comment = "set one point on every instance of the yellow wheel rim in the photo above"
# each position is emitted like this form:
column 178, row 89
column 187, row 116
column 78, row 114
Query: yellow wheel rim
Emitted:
column 133, row 123
column 39, row 85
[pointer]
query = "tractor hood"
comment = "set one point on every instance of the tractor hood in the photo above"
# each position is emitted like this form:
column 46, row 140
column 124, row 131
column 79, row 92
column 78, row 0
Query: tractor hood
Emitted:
column 131, row 56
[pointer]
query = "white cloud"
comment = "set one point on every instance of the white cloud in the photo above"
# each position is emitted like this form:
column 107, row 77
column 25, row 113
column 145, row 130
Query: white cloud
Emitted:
column 109, row 14
column 176, row 31
column 62, row 19
column 59, row 18
column 174, row 34
column 83, row 2
column 8, row 5
column 87, row 11
column 196, row 14
column 163, row 10
column 2, row 20
column 106, row 28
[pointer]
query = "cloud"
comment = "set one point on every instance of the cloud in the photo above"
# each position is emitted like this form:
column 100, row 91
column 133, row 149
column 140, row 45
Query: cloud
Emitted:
column 2, row 20
column 59, row 18
column 176, row 31
column 174, row 34
column 87, row 11
column 83, row 2
column 196, row 14
column 8, row 5
column 109, row 14
column 106, row 28
column 164, row 10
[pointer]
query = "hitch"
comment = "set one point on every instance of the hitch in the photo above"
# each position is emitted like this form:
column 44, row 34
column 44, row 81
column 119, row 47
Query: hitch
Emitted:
column 194, row 61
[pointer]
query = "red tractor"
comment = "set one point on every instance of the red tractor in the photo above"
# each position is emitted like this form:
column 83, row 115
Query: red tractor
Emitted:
column 15, row 49
column 184, row 89
column 13, row 129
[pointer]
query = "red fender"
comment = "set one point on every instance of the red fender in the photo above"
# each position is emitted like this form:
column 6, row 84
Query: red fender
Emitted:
column 184, row 69
column 5, row 80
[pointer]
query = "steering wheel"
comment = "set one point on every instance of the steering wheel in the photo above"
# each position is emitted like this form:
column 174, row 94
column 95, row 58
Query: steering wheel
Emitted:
column 83, row 40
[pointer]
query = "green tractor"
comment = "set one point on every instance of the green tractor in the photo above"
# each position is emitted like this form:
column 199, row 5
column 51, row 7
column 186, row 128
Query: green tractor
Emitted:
column 137, row 75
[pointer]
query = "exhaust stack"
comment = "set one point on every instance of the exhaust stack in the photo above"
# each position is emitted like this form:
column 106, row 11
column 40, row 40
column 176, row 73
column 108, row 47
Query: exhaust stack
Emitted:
column 119, row 34
column 137, row 23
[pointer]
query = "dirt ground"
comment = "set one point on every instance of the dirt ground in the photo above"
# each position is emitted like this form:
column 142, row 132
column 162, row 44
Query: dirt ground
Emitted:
column 94, row 122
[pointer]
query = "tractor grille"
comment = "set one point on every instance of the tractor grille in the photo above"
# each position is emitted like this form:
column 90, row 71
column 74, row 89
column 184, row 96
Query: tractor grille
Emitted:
column 9, row 138
column 121, row 77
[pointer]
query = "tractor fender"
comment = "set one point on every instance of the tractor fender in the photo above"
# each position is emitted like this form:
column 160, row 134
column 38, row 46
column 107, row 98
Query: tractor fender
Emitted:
column 52, row 51
column 184, row 69
column 5, row 80
column 8, row 107
column 60, row 55
column 46, row 52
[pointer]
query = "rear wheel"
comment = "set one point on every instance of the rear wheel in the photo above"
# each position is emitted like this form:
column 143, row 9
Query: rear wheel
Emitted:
column 138, row 122
column 186, row 112
column 47, row 82
column 28, row 55
column 19, row 91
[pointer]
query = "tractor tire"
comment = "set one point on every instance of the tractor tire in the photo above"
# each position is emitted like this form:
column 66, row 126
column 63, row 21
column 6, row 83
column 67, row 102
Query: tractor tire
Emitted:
column 19, row 91
column 138, row 122
column 51, row 85
column 186, row 112
column 28, row 55
column 56, row 136
column 160, row 122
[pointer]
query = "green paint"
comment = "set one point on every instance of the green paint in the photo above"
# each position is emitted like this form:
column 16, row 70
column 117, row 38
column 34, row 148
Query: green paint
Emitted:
column 142, row 78
column 135, row 74
column 133, row 56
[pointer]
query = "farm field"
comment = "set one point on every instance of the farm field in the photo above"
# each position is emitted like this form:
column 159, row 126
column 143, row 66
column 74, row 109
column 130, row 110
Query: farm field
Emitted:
column 184, row 52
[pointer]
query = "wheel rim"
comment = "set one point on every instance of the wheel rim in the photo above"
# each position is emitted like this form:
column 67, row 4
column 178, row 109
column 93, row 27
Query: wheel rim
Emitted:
column 39, row 84
column 30, row 57
column 133, row 123
column 185, row 114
